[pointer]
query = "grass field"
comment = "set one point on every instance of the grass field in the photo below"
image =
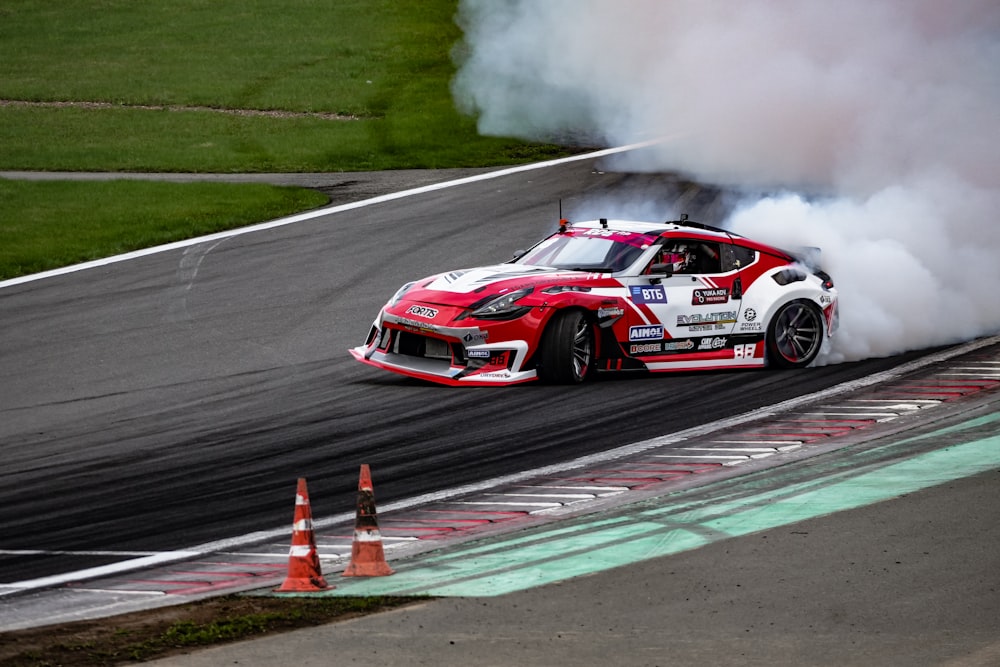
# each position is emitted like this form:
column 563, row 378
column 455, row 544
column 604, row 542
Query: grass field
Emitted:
column 223, row 87
column 66, row 222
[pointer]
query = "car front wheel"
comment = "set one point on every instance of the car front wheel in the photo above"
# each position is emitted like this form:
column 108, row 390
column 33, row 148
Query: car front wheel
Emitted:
column 795, row 335
column 567, row 349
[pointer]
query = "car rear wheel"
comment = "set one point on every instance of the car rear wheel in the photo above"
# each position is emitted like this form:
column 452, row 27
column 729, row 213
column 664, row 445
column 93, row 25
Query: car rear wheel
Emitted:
column 795, row 335
column 567, row 349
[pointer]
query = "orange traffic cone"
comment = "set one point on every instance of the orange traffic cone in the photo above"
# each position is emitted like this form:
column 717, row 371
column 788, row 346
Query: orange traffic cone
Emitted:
column 304, row 573
column 367, row 554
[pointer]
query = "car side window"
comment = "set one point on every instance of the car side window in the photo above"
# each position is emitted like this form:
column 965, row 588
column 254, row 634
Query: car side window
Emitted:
column 706, row 258
column 689, row 256
column 736, row 257
column 698, row 256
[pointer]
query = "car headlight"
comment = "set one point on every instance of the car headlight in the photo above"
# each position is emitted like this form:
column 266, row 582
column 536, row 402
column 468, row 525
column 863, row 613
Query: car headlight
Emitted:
column 400, row 292
column 501, row 307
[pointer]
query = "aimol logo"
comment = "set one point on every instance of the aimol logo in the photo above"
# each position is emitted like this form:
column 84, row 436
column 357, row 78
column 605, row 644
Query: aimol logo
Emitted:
column 649, row 332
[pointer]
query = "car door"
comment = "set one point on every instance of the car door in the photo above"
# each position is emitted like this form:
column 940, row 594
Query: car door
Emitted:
column 690, row 307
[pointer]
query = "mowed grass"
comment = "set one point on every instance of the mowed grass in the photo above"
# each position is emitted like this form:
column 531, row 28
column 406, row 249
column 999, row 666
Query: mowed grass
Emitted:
column 59, row 223
column 384, row 66
column 178, row 86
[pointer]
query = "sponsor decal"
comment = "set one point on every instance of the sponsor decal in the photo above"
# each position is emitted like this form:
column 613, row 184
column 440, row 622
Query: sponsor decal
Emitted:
column 647, row 332
column 495, row 359
column 605, row 232
column 825, row 299
column 414, row 324
column 499, row 375
column 478, row 337
column 422, row 311
column 750, row 315
column 724, row 317
column 610, row 312
column 702, row 297
column 648, row 293
column 714, row 343
column 657, row 348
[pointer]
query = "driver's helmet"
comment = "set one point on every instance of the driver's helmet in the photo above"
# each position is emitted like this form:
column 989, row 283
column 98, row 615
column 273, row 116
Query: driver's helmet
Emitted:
column 676, row 257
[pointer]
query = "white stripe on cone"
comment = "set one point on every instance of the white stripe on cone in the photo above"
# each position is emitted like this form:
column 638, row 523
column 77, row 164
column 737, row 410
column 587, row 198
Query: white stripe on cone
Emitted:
column 367, row 535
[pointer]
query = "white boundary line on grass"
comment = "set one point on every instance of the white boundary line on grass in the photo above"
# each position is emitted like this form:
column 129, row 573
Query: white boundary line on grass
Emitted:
column 301, row 217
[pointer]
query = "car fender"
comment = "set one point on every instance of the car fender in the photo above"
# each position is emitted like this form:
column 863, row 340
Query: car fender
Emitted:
column 766, row 296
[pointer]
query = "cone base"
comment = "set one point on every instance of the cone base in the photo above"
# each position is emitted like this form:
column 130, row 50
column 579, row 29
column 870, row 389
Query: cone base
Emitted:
column 368, row 570
column 367, row 559
column 310, row 585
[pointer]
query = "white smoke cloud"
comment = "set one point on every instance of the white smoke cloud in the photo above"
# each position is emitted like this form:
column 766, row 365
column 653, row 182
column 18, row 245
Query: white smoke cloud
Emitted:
column 891, row 109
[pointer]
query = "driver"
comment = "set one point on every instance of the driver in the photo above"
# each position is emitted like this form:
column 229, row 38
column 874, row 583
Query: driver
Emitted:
column 678, row 257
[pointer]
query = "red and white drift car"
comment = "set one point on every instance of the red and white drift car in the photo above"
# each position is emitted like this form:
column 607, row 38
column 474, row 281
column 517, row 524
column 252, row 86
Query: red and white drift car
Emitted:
column 608, row 295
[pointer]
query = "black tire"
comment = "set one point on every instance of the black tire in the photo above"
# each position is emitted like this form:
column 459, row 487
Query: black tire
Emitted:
column 567, row 349
column 794, row 335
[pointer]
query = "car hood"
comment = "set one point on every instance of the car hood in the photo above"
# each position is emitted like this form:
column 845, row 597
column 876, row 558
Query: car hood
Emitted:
column 467, row 286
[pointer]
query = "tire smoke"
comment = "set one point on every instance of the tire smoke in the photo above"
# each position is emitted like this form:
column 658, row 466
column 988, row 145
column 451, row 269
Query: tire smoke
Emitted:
column 869, row 128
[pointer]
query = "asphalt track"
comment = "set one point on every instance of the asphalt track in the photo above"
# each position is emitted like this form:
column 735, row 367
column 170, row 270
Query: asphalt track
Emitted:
column 173, row 399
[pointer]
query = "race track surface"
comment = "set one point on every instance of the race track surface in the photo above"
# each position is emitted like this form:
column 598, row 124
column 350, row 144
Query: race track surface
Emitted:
column 174, row 399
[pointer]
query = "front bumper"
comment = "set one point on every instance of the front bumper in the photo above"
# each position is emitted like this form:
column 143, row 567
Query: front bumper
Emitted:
column 441, row 371
column 456, row 356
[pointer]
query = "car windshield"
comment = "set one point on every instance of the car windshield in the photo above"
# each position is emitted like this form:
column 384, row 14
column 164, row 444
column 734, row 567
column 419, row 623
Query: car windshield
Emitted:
column 601, row 250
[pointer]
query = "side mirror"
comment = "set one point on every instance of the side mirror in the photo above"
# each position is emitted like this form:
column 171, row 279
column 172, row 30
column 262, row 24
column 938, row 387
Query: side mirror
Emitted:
column 666, row 269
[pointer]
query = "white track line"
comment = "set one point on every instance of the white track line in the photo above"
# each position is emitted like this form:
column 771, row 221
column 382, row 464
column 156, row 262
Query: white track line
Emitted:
column 309, row 215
